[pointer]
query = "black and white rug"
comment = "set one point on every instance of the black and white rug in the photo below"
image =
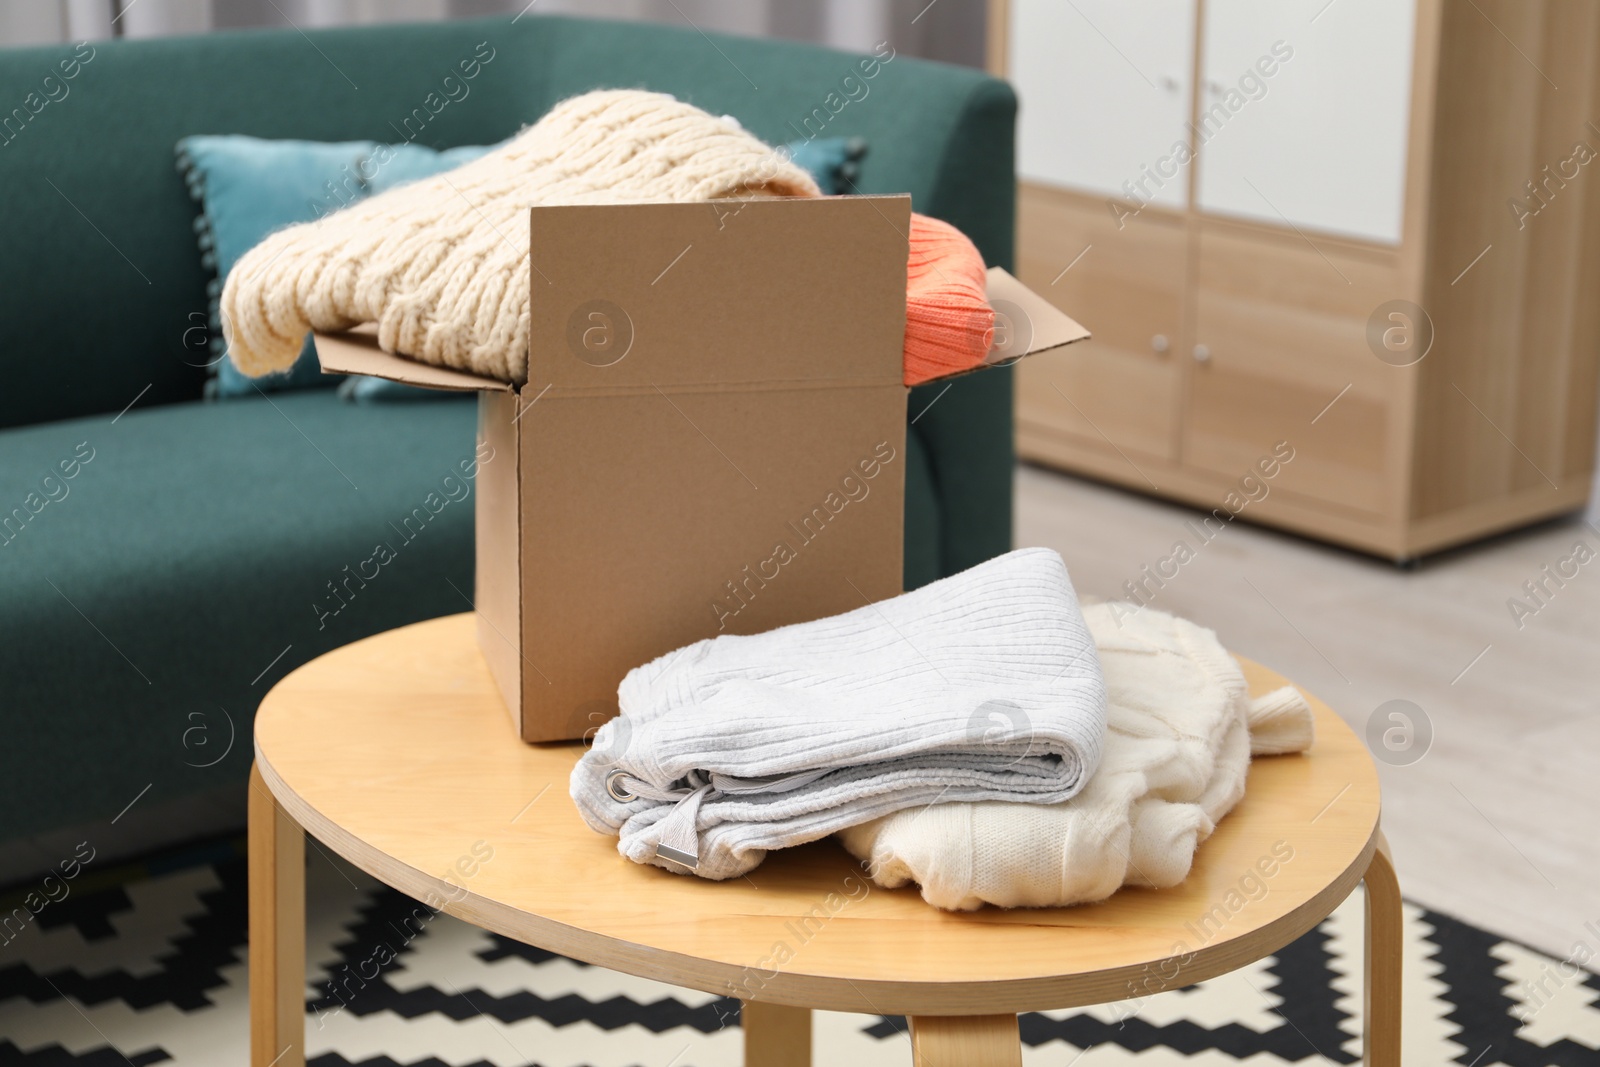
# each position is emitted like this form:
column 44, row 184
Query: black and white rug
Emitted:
column 146, row 965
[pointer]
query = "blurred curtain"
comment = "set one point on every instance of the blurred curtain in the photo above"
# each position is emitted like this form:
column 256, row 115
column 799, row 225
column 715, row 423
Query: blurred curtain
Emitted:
column 948, row 30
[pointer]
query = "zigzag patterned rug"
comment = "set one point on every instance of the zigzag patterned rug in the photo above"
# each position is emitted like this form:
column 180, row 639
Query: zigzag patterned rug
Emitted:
column 147, row 965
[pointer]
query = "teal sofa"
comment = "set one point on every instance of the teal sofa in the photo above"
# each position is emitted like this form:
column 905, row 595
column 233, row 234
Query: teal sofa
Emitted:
column 150, row 599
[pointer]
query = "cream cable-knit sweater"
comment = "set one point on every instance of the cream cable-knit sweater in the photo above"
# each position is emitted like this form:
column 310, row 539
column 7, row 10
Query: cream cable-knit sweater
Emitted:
column 1181, row 728
column 441, row 265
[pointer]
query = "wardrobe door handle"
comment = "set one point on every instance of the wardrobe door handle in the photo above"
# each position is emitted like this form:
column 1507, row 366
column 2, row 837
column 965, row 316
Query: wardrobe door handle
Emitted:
column 1160, row 344
column 1202, row 354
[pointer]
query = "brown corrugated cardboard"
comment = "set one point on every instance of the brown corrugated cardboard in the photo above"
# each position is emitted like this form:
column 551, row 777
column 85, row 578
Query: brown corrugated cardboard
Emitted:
column 711, row 439
column 357, row 352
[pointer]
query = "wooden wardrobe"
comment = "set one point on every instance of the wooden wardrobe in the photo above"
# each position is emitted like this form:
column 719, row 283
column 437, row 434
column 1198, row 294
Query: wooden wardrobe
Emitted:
column 1384, row 249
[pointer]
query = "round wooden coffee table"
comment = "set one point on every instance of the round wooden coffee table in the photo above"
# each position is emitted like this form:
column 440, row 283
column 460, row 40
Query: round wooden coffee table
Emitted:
column 397, row 753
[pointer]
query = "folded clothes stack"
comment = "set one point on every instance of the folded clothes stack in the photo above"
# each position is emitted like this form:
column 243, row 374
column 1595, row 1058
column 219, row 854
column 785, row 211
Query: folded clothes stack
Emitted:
column 1181, row 728
column 733, row 746
column 981, row 737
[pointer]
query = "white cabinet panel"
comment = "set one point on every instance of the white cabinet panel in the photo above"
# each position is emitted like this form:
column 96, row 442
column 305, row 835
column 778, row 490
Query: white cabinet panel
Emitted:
column 1105, row 90
column 1321, row 140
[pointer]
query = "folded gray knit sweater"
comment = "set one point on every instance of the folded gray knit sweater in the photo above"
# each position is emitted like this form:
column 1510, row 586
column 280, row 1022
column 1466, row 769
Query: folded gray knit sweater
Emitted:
column 981, row 686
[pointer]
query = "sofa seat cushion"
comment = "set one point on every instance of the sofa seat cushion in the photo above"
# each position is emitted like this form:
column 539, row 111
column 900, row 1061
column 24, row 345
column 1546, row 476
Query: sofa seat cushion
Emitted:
column 198, row 552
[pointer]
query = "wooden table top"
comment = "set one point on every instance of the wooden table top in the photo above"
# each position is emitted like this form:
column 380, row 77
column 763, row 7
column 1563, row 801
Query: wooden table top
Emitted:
column 398, row 753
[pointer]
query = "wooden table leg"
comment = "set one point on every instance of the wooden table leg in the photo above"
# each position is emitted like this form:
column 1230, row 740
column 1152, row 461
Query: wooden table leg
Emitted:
column 1385, row 947
column 277, row 932
column 775, row 1035
column 965, row 1041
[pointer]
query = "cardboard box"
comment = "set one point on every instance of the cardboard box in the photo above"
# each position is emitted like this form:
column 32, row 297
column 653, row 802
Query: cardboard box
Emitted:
column 711, row 439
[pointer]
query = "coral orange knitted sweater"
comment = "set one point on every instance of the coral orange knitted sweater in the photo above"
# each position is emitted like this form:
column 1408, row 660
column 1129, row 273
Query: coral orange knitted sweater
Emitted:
column 949, row 323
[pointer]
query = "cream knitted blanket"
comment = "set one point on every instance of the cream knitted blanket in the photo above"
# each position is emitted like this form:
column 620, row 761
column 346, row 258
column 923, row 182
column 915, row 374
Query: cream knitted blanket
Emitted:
column 441, row 265
column 1181, row 728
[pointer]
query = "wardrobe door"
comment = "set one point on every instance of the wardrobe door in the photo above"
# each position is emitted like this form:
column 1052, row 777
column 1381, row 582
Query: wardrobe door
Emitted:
column 1281, row 355
column 1303, row 113
column 1114, row 396
column 1105, row 88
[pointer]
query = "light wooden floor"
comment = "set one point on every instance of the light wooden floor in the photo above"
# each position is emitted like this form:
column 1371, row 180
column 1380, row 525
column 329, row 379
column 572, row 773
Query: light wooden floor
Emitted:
column 1498, row 823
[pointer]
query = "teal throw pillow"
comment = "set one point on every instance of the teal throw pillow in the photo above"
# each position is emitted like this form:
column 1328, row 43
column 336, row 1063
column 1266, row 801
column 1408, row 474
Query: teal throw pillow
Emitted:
column 247, row 188
column 393, row 165
column 835, row 162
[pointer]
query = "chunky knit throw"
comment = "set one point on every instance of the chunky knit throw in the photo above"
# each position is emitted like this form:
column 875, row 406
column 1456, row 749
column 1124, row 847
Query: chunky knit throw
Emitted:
column 441, row 265
column 980, row 686
column 1180, row 731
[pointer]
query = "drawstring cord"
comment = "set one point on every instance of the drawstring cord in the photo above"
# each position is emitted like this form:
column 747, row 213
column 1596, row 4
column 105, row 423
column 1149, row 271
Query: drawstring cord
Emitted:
column 680, row 830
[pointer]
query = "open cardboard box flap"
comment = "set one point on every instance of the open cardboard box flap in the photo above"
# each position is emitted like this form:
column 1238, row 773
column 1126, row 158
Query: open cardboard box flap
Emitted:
column 356, row 352
column 1026, row 324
